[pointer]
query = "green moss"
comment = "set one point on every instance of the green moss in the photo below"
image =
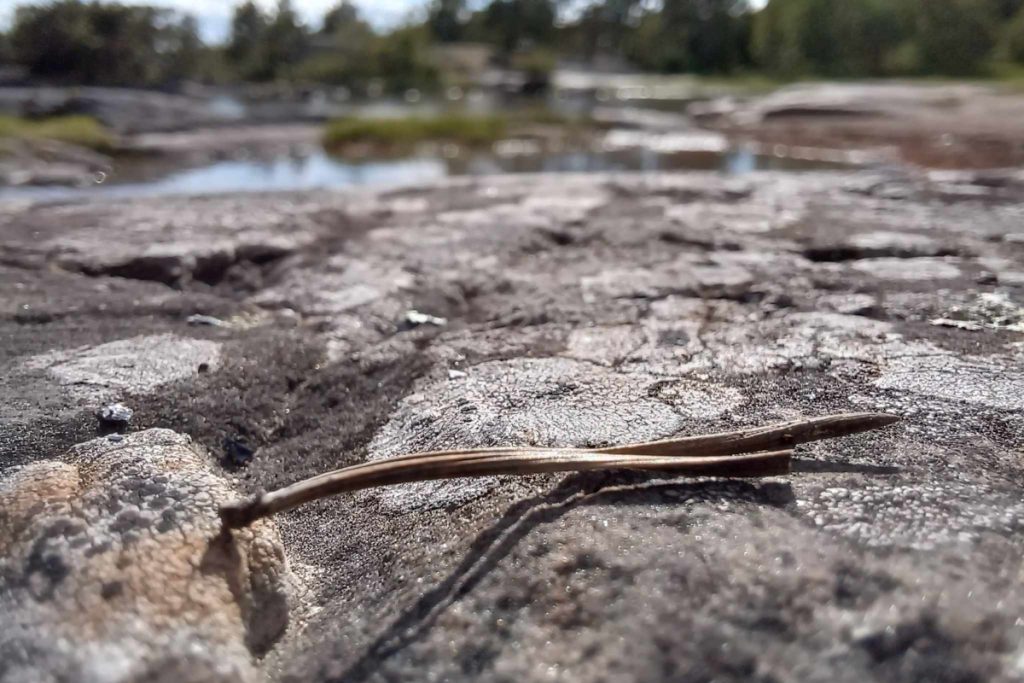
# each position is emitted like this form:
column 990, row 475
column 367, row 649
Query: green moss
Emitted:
column 461, row 128
column 76, row 130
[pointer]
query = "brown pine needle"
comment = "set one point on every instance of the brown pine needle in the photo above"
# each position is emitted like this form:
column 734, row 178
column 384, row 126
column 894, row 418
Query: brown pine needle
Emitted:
column 754, row 452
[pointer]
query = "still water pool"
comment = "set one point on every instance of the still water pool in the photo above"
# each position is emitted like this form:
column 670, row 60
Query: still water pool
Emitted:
column 315, row 169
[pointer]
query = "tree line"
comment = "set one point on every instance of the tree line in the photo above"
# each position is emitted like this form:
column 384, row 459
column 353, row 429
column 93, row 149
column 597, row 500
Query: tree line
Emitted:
column 109, row 43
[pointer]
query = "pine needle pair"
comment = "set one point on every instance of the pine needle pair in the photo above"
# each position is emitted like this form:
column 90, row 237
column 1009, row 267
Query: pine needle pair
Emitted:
column 753, row 452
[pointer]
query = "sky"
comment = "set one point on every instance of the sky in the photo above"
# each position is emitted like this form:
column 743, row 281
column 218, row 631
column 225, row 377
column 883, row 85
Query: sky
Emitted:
column 215, row 15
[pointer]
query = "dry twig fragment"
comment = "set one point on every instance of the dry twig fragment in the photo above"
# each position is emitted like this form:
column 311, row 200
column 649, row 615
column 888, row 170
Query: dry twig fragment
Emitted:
column 754, row 452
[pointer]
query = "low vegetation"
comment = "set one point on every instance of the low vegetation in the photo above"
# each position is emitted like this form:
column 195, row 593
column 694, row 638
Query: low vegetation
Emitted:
column 76, row 130
column 465, row 129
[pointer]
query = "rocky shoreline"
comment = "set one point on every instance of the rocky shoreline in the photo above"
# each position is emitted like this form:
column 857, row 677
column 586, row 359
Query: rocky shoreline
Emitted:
column 324, row 329
column 866, row 125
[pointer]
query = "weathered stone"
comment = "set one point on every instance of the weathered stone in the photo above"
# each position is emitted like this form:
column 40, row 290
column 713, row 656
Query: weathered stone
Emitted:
column 920, row 269
column 967, row 379
column 581, row 310
column 537, row 402
column 130, row 365
column 114, row 568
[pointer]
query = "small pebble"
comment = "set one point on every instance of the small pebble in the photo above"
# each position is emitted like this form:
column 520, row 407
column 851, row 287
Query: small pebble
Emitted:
column 113, row 418
column 414, row 318
column 199, row 319
column 116, row 414
column 237, row 452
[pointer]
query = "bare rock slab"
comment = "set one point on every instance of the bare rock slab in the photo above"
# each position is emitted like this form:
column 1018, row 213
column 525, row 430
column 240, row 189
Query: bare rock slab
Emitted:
column 579, row 310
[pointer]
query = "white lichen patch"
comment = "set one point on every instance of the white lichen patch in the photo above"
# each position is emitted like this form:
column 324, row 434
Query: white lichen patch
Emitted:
column 700, row 400
column 912, row 269
column 798, row 340
column 980, row 381
column 606, row 345
column 135, row 365
column 347, row 285
column 918, row 515
column 991, row 310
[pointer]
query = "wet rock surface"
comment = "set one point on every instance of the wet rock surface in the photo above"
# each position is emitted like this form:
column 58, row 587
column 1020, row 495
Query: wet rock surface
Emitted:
column 579, row 311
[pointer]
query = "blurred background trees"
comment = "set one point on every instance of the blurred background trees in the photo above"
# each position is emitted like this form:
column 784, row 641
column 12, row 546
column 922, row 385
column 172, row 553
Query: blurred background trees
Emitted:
column 72, row 41
column 104, row 43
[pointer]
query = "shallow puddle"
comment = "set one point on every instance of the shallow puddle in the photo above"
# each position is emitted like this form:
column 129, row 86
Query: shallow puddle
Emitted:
column 316, row 169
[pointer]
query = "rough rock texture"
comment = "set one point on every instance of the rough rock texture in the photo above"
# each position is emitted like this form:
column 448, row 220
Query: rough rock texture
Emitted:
column 579, row 310
column 114, row 568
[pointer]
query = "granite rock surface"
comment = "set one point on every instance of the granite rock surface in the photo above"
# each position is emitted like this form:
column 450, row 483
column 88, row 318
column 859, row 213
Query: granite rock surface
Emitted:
column 568, row 310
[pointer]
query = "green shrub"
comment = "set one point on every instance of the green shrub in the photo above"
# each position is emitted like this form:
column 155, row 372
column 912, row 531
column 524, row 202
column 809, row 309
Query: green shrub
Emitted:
column 1012, row 44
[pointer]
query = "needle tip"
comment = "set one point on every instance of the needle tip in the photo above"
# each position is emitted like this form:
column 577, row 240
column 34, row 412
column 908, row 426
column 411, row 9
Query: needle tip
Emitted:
column 878, row 420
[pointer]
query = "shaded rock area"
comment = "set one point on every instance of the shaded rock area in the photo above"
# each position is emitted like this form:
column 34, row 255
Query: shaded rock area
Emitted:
column 124, row 109
column 49, row 162
column 577, row 311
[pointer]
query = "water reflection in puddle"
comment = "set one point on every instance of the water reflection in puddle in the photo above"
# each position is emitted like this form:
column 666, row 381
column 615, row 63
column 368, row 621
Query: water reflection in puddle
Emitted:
column 319, row 170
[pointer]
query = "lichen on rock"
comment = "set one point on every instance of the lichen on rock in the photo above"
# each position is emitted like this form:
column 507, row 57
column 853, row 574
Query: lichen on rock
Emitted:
column 114, row 568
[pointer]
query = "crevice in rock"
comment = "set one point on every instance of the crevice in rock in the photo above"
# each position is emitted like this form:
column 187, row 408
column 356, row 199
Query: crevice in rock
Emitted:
column 178, row 271
column 839, row 253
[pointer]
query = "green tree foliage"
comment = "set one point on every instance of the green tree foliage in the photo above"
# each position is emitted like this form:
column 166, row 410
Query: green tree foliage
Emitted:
column 1012, row 47
column 877, row 37
column 262, row 47
column 955, row 36
column 446, row 20
column 245, row 47
column 287, row 40
column 1008, row 9
column 701, row 36
column 605, row 27
column 403, row 61
column 182, row 49
column 5, row 48
column 103, row 43
column 342, row 51
column 516, row 24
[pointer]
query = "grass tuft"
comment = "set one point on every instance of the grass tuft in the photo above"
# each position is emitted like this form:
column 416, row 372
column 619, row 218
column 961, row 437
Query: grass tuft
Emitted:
column 76, row 130
column 466, row 129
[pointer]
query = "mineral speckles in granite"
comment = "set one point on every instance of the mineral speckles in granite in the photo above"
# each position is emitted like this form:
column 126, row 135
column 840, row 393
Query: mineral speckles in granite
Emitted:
column 114, row 568
column 916, row 269
column 61, row 382
column 530, row 402
column 906, row 514
column 985, row 382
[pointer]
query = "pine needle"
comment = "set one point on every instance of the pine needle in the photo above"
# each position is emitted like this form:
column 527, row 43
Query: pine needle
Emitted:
column 754, row 452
